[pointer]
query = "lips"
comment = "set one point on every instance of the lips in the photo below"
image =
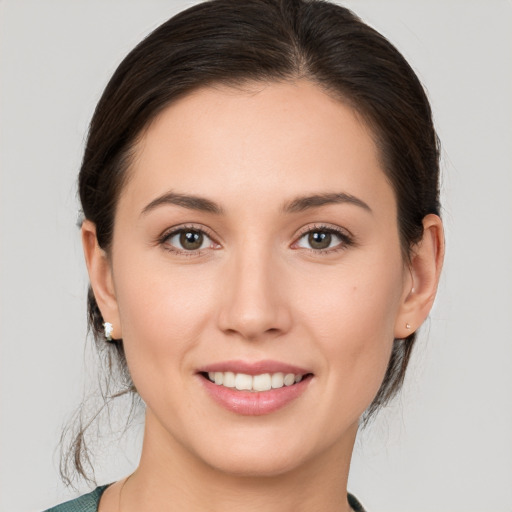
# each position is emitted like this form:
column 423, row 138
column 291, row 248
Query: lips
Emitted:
column 254, row 388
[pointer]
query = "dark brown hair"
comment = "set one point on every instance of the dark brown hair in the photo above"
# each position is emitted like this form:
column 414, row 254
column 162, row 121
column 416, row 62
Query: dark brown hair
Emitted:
column 238, row 41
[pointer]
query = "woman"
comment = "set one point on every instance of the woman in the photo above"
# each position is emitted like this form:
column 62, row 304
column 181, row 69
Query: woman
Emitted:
column 262, row 234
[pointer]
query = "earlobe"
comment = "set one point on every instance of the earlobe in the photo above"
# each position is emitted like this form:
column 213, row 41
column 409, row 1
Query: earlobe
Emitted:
column 425, row 269
column 100, row 276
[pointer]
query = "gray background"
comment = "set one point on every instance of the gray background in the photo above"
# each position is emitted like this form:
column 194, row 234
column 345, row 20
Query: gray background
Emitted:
column 446, row 444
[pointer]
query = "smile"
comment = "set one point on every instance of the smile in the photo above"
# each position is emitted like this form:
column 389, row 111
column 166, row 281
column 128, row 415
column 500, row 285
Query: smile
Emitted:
column 255, row 383
column 254, row 388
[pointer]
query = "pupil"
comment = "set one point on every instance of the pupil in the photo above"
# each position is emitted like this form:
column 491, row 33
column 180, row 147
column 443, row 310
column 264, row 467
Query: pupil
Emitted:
column 191, row 240
column 320, row 239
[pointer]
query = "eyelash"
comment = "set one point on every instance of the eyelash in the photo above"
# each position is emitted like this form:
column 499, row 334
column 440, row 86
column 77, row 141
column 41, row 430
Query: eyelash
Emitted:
column 163, row 240
column 346, row 240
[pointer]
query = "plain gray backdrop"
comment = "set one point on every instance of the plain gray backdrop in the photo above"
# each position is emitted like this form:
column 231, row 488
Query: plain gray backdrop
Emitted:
column 445, row 444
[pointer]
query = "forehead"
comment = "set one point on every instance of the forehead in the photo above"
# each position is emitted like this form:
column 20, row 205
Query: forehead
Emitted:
column 271, row 140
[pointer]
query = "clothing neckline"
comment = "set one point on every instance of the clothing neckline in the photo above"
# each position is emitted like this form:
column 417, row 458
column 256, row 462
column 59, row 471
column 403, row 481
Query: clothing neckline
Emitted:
column 90, row 502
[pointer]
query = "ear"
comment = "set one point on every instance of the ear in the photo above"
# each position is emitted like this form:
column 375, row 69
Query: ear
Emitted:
column 100, row 276
column 424, row 272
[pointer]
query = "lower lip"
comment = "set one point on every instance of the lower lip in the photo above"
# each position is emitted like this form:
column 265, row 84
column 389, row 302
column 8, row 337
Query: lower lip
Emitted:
column 254, row 403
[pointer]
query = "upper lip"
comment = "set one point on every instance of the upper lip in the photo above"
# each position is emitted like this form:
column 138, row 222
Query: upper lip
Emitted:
column 253, row 367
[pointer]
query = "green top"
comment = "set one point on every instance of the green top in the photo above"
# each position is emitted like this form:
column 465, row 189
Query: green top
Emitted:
column 86, row 503
column 89, row 503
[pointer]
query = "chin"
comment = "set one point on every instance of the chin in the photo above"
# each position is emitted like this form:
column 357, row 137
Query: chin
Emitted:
column 262, row 452
column 255, row 465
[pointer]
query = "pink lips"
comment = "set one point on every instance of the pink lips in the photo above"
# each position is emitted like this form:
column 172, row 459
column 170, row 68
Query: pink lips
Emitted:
column 251, row 403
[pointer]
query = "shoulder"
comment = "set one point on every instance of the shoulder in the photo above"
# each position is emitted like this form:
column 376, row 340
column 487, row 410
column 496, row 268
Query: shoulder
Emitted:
column 86, row 503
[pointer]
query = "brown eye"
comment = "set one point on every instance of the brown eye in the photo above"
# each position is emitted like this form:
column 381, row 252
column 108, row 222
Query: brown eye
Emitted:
column 191, row 240
column 319, row 239
column 188, row 240
column 324, row 239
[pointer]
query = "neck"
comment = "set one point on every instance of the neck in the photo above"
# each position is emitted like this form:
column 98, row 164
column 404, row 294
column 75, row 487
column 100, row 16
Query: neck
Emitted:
column 170, row 477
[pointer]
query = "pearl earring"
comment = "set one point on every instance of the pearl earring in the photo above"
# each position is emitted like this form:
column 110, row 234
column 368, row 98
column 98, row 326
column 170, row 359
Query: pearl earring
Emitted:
column 109, row 329
column 407, row 326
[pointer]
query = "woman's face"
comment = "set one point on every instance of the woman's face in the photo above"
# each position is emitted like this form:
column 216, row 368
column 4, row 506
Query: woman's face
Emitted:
column 257, row 238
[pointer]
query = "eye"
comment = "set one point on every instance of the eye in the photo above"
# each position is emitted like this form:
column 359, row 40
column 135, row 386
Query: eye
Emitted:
column 323, row 239
column 187, row 240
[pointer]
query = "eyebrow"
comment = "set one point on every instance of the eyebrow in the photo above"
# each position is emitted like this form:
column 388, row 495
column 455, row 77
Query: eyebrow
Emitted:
column 298, row 204
column 185, row 201
column 314, row 201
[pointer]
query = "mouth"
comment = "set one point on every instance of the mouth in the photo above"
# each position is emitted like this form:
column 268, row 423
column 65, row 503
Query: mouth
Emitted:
column 254, row 388
column 254, row 383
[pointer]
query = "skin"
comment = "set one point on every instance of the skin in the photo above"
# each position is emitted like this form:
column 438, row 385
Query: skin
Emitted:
column 256, row 290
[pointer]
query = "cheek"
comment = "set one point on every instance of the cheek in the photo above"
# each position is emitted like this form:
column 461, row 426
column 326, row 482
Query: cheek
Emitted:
column 162, row 316
column 352, row 301
column 353, row 323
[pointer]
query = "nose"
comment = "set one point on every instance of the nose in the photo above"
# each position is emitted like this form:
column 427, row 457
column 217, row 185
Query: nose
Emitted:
column 253, row 303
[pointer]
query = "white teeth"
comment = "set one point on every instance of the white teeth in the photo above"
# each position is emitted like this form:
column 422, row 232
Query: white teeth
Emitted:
column 229, row 380
column 262, row 382
column 243, row 381
column 289, row 379
column 277, row 380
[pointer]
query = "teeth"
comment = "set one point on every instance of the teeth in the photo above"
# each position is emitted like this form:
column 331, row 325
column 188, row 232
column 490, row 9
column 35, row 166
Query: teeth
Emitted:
column 262, row 382
column 243, row 381
column 289, row 379
column 229, row 380
column 277, row 380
